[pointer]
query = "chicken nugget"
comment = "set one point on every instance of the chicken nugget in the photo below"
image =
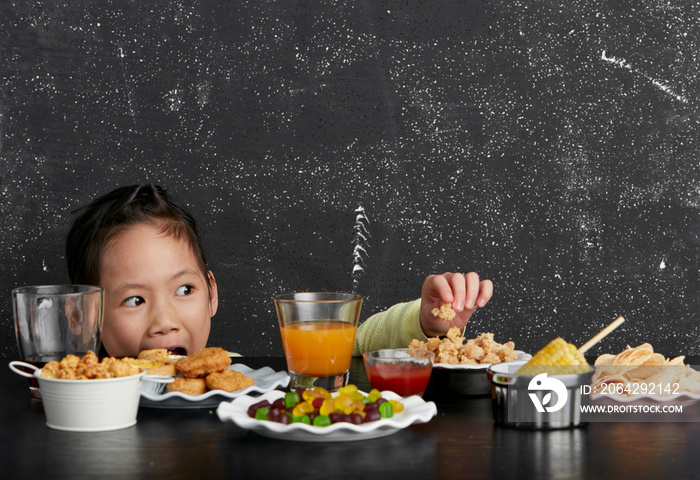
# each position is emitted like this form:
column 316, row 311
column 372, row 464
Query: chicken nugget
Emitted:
column 157, row 361
column 203, row 362
column 154, row 367
column 154, row 353
column 228, row 380
column 188, row 386
column 161, row 369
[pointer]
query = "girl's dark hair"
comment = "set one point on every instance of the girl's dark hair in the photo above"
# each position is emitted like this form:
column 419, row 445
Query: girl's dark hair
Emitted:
column 116, row 211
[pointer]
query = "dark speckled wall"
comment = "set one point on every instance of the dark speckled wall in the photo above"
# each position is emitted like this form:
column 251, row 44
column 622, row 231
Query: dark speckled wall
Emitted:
column 362, row 145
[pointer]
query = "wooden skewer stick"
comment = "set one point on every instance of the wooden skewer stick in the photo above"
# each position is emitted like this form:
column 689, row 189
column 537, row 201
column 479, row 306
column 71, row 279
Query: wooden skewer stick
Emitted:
column 601, row 335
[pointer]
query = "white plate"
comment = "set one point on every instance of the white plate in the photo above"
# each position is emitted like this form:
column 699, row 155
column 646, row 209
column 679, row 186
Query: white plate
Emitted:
column 482, row 366
column 416, row 410
column 155, row 395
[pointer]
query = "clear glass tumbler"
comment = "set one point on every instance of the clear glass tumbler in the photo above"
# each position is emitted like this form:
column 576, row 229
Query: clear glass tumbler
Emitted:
column 52, row 321
column 318, row 333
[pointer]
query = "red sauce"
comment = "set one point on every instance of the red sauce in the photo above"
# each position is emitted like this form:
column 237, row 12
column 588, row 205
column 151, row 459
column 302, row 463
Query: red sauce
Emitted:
column 402, row 379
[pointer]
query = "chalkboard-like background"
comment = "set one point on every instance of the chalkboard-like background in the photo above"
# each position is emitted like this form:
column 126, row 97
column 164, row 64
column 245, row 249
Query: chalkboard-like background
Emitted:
column 551, row 146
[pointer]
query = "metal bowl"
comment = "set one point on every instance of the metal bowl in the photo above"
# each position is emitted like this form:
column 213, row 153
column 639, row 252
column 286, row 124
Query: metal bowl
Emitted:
column 95, row 405
column 525, row 401
column 472, row 383
column 463, row 379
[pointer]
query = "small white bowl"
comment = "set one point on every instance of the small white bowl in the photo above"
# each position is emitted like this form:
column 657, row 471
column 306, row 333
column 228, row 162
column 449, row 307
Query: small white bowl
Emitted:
column 87, row 405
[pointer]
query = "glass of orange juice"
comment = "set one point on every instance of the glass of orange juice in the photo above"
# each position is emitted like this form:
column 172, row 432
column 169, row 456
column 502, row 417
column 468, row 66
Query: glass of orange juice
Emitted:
column 318, row 334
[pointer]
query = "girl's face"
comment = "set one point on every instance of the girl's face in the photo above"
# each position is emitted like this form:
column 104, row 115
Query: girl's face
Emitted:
column 155, row 294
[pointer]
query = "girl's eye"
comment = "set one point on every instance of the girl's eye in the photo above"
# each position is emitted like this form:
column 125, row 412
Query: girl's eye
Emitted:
column 184, row 290
column 133, row 301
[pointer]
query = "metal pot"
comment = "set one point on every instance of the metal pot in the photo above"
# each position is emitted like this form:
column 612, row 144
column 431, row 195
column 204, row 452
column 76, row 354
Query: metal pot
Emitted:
column 526, row 401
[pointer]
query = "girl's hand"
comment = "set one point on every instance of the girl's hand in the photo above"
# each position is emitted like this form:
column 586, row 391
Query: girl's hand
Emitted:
column 465, row 292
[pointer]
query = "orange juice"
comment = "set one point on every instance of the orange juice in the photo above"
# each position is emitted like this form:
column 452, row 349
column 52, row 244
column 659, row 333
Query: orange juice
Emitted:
column 318, row 349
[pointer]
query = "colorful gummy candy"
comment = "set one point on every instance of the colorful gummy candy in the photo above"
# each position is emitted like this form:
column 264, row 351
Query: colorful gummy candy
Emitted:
column 316, row 406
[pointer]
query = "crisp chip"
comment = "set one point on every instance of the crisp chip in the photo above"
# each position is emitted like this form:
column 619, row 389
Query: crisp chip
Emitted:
column 642, row 366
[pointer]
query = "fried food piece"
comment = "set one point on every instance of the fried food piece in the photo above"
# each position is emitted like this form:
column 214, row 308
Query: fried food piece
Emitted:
column 158, row 361
column 157, row 354
column 203, row 362
column 118, row 368
column 445, row 312
column 228, row 380
column 480, row 350
column 155, row 367
column 447, row 352
column 50, row 370
column 188, row 386
column 72, row 367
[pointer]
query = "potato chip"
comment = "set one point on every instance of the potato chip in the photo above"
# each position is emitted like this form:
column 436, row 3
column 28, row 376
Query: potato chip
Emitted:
column 641, row 366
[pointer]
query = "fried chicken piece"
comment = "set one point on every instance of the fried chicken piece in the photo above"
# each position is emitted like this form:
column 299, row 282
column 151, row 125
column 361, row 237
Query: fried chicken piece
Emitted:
column 447, row 353
column 72, row 367
column 455, row 336
column 433, row 344
column 69, row 362
column 228, row 380
column 119, row 368
column 446, row 313
column 472, row 351
column 51, row 369
column 506, row 352
column 490, row 358
column 203, row 362
column 480, row 350
column 162, row 363
column 188, row 386
column 154, row 354
column 155, row 367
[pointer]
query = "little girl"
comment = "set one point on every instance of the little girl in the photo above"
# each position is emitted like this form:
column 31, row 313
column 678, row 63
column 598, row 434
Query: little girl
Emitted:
column 145, row 251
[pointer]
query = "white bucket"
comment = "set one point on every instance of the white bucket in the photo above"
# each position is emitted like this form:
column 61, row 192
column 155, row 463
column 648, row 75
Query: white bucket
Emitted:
column 94, row 405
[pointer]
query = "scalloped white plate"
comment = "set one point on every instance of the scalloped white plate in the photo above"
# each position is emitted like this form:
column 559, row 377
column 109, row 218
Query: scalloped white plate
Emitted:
column 416, row 410
column 482, row 366
column 155, row 395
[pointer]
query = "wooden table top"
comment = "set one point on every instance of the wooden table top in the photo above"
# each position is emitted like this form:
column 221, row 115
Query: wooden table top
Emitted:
column 462, row 441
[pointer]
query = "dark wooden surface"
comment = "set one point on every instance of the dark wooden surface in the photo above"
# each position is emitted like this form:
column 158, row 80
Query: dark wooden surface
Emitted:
column 460, row 442
column 551, row 145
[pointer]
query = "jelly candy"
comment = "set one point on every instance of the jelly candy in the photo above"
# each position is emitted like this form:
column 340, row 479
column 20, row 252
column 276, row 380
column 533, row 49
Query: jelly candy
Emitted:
column 261, row 413
column 326, row 408
column 344, row 403
column 386, row 410
column 398, row 406
column 302, row 408
column 301, row 419
column 315, row 392
column 291, row 399
column 322, row 421
column 254, row 407
column 316, row 406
